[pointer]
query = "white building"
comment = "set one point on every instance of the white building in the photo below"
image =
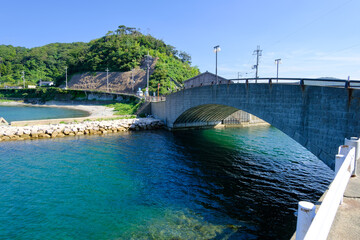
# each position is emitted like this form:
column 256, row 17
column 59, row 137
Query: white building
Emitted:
column 46, row 83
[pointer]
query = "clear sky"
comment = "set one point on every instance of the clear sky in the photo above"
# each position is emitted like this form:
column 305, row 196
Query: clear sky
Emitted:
column 314, row 38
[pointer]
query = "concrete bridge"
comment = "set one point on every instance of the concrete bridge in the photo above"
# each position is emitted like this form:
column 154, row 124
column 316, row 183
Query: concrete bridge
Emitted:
column 317, row 117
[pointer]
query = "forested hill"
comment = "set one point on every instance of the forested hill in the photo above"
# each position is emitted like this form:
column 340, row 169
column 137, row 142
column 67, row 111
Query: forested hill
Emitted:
column 121, row 50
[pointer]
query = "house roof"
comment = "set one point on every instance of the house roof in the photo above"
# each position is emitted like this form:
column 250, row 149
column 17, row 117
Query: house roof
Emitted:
column 206, row 73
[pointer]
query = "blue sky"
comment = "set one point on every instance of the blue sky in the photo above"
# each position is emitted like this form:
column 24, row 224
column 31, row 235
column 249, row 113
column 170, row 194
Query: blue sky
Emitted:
column 314, row 38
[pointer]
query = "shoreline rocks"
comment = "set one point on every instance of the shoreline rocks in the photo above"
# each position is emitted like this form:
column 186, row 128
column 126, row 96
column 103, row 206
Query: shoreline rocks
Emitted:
column 9, row 133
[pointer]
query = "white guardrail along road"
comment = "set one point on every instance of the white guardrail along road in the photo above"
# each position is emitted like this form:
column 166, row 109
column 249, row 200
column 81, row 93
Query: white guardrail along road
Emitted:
column 311, row 226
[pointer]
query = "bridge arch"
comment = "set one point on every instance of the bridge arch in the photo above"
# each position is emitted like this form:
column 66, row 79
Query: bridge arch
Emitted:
column 204, row 113
column 319, row 118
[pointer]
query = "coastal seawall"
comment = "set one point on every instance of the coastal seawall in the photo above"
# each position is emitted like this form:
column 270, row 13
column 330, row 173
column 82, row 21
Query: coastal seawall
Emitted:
column 10, row 133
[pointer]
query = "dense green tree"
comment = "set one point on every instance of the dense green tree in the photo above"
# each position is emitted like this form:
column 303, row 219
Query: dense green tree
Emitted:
column 184, row 57
column 121, row 50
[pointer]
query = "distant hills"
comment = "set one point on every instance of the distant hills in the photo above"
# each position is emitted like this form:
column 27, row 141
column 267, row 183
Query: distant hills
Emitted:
column 121, row 50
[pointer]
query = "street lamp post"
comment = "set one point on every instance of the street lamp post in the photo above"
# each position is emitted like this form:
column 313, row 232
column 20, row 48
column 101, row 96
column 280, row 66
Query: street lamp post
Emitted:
column 66, row 85
column 216, row 50
column 277, row 61
column 107, row 79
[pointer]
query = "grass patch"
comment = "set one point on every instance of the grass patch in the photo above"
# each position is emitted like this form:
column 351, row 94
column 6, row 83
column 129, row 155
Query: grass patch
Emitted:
column 128, row 108
column 116, row 118
column 101, row 119
column 127, row 117
column 5, row 100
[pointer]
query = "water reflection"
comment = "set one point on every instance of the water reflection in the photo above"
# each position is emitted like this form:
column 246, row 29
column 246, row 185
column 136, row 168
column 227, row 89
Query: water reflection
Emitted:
column 201, row 184
column 254, row 175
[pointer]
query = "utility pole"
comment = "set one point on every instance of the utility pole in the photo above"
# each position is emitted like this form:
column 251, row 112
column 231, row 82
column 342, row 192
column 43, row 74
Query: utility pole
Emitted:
column 23, row 77
column 216, row 50
column 277, row 61
column 0, row 64
column 132, row 80
column 107, row 79
column 158, row 90
column 66, row 86
column 148, row 59
column 258, row 53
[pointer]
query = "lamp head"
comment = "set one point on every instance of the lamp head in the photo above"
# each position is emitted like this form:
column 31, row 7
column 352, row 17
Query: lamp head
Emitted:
column 217, row 49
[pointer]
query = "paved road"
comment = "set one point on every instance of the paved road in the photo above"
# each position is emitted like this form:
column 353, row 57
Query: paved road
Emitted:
column 347, row 220
column 346, row 225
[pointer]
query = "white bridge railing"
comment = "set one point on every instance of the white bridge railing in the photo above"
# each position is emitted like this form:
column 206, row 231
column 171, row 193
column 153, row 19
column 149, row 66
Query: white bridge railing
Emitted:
column 316, row 227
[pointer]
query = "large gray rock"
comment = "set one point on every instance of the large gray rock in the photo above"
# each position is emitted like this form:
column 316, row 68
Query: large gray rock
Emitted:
column 3, row 121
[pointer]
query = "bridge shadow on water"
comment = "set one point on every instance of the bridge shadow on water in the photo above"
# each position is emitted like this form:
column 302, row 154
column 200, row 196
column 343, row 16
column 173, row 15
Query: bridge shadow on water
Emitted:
column 254, row 176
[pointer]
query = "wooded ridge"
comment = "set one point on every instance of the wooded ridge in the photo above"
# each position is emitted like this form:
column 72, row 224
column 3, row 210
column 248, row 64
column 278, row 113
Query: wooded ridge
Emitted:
column 121, row 50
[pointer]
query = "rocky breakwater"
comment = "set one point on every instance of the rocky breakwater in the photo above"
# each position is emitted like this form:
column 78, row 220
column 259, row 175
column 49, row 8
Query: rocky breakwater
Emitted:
column 8, row 133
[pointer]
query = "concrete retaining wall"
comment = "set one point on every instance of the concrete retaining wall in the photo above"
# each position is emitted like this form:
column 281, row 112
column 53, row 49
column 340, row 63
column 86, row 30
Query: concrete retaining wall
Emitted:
column 159, row 111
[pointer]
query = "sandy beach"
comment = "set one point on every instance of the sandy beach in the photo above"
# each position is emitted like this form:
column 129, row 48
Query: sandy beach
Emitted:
column 93, row 110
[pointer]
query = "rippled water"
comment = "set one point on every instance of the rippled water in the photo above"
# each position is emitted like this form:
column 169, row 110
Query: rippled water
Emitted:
column 21, row 113
column 241, row 183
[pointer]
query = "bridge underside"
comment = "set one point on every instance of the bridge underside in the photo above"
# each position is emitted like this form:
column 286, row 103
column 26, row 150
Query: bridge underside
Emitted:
column 208, row 114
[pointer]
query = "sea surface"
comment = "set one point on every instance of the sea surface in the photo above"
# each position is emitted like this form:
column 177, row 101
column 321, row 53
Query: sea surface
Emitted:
column 233, row 183
column 22, row 113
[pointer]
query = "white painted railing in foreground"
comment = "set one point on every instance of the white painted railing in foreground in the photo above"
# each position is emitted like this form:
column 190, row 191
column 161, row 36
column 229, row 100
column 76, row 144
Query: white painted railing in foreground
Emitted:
column 321, row 224
column 320, row 227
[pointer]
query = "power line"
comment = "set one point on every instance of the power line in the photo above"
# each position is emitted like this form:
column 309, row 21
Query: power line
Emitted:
column 310, row 23
column 244, row 74
column 347, row 48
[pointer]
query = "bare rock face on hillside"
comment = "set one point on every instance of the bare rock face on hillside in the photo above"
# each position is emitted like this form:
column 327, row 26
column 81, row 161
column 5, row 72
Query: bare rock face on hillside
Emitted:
column 118, row 81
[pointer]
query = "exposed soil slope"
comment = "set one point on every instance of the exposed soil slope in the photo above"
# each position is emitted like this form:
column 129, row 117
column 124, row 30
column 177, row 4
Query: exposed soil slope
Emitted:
column 118, row 81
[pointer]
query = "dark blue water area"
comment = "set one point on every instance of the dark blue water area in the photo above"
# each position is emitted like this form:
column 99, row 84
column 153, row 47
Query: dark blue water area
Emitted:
column 240, row 183
column 22, row 113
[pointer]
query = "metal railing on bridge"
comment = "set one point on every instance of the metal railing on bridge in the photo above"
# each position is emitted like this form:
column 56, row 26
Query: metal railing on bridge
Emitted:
column 155, row 98
column 310, row 226
column 328, row 82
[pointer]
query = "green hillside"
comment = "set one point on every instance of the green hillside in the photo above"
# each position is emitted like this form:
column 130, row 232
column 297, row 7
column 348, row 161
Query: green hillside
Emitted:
column 121, row 50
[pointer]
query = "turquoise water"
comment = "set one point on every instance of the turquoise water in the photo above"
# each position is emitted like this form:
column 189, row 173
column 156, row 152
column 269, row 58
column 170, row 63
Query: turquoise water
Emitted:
column 197, row 184
column 21, row 113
